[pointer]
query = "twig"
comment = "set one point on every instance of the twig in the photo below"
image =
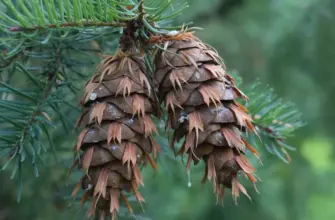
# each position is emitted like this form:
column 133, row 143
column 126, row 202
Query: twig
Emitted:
column 5, row 63
column 70, row 24
column 141, row 9
column 45, row 94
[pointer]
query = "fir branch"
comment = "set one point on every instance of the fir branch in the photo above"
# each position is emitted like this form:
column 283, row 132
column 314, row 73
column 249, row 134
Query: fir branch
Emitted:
column 274, row 119
column 62, row 13
column 69, row 24
column 7, row 62
column 83, row 14
column 25, row 139
column 28, row 118
column 34, row 114
column 141, row 10
column 37, row 101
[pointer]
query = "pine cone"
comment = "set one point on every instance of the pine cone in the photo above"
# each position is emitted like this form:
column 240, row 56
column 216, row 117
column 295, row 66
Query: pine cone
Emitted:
column 117, row 137
column 200, row 98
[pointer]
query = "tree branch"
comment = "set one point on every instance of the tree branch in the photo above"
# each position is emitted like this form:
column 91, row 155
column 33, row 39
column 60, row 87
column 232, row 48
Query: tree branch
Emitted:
column 45, row 94
column 7, row 62
column 141, row 9
column 69, row 24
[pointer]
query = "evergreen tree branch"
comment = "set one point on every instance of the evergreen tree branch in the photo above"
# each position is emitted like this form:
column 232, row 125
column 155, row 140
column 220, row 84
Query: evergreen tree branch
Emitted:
column 7, row 62
column 32, row 87
column 69, row 24
column 82, row 14
column 35, row 102
column 141, row 10
column 274, row 119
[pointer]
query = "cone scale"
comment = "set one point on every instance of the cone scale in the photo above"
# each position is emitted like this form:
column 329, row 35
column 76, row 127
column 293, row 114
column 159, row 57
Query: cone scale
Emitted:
column 200, row 98
column 117, row 135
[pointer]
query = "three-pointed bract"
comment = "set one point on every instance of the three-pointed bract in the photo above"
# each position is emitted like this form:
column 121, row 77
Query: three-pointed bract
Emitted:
column 117, row 137
column 200, row 98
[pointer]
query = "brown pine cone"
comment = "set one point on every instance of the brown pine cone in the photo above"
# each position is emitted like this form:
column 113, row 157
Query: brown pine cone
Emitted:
column 117, row 138
column 200, row 96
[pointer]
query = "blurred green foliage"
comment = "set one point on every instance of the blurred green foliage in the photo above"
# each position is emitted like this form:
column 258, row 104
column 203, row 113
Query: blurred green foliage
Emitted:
column 287, row 44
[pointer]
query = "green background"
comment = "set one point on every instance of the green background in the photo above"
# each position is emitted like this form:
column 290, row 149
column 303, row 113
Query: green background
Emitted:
column 288, row 44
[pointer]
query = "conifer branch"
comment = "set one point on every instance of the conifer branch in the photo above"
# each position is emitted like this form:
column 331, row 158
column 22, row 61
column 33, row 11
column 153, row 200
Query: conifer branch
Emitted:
column 274, row 119
column 28, row 121
column 7, row 62
column 81, row 14
column 141, row 10
column 36, row 110
column 69, row 24
column 46, row 92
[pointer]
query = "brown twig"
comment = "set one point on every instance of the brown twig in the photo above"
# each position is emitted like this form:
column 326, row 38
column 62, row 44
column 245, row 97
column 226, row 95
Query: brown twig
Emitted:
column 5, row 63
column 141, row 9
column 70, row 24
column 37, row 111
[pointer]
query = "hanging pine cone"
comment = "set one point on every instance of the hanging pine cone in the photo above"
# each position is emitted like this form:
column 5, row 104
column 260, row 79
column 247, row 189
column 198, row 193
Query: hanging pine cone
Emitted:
column 117, row 137
column 200, row 98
